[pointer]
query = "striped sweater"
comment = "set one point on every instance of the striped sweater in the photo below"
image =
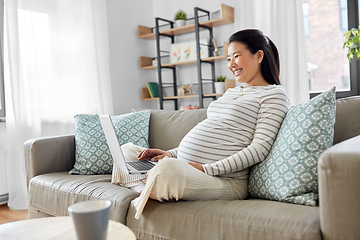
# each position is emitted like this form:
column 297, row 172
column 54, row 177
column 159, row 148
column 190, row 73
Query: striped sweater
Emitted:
column 238, row 132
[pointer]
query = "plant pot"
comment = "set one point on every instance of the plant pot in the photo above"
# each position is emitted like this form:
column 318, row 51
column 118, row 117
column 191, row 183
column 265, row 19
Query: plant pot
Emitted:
column 179, row 23
column 219, row 87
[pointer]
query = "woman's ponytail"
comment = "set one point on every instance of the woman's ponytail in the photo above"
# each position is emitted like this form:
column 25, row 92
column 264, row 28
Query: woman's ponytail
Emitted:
column 275, row 54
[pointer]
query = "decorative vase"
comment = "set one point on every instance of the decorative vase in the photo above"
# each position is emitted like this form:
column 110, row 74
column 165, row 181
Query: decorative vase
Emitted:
column 219, row 87
column 179, row 23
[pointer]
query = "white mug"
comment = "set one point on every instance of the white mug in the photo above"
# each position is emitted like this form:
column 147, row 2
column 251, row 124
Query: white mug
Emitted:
column 90, row 219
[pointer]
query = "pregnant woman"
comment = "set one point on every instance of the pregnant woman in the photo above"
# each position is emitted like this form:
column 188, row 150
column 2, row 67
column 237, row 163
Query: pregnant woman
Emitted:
column 212, row 161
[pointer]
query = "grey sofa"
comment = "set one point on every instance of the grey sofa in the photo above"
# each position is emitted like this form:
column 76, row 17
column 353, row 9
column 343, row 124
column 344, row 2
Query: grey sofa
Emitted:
column 51, row 189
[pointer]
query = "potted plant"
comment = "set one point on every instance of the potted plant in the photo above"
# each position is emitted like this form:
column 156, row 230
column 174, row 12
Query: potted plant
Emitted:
column 180, row 18
column 352, row 43
column 220, row 84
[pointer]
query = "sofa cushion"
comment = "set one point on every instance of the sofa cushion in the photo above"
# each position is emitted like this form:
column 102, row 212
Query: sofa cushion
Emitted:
column 247, row 219
column 167, row 128
column 289, row 173
column 53, row 193
column 92, row 151
column 347, row 127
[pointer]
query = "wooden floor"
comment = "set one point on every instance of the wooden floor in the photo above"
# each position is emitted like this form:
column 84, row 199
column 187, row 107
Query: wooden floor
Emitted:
column 7, row 215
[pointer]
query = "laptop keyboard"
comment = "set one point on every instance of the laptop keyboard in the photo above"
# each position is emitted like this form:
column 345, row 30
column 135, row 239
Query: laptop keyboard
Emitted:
column 141, row 165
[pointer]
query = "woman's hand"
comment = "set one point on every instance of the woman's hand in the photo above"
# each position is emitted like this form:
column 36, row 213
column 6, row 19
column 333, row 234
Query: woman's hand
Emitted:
column 198, row 166
column 154, row 154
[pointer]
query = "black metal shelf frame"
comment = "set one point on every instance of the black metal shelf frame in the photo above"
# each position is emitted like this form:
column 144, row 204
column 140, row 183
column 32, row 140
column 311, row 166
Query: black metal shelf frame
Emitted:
column 160, row 67
column 196, row 18
column 199, row 61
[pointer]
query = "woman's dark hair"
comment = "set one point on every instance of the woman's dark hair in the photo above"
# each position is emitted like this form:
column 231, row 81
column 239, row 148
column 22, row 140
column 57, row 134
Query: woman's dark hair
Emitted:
column 255, row 40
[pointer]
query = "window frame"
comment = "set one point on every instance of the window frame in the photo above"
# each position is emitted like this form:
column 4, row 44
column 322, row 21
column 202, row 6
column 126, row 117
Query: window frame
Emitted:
column 353, row 22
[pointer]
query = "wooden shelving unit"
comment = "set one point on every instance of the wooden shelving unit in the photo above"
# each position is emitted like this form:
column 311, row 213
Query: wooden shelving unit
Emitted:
column 146, row 62
column 145, row 96
column 227, row 17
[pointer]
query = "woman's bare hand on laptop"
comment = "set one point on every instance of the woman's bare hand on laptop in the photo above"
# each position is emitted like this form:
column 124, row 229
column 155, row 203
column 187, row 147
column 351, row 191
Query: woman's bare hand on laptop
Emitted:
column 153, row 154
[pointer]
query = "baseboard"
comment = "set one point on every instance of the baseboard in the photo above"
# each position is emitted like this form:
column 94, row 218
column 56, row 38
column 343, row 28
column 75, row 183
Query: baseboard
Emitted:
column 4, row 198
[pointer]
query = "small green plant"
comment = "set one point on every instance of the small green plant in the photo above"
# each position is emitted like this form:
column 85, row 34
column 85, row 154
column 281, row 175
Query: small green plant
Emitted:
column 352, row 43
column 180, row 15
column 220, row 78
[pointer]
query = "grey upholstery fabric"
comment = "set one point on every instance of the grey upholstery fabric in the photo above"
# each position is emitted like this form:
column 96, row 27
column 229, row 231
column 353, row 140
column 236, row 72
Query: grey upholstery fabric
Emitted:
column 347, row 120
column 51, row 190
column 49, row 154
column 167, row 128
column 242, row 219
column 53, row 193
column 339, row 178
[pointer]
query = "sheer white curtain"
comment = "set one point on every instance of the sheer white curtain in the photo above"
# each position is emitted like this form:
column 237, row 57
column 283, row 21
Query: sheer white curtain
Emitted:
column 56, row 66
column 282, row 21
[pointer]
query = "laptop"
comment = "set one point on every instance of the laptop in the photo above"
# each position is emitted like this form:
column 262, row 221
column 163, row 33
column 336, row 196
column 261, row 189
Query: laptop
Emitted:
column 129, row 167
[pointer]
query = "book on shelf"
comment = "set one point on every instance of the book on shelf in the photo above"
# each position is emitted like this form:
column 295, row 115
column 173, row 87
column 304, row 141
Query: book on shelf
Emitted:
column 153, row 89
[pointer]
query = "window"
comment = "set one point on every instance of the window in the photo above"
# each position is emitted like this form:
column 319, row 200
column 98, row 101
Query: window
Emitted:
column 56, row 59
column 306, row 18
column 343, row 15
column 327, row 63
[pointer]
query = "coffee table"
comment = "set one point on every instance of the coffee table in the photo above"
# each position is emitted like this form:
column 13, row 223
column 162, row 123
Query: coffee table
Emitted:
column 56, row 228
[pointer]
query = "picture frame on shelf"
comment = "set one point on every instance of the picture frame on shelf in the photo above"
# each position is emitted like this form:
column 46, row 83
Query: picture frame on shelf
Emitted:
column 186, row 51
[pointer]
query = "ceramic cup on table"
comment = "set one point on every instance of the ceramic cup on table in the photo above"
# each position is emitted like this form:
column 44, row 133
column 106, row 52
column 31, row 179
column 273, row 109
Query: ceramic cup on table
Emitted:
column 90, row 219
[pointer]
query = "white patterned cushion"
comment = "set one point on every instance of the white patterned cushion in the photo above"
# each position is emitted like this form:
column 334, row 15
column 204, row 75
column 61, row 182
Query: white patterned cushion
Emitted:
column 92, row 152
column 289, row 173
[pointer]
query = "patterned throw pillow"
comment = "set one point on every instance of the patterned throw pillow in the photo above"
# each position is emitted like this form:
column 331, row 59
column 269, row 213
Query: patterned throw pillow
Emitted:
column 289, row 173
column 92, row 152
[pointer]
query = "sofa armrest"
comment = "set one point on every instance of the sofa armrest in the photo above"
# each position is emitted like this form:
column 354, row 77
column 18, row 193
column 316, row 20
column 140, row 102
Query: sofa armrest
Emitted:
column 50, row 154
column 339, row 190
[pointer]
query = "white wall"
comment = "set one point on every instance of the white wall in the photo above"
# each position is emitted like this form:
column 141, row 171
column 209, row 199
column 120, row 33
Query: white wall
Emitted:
column 126, row 48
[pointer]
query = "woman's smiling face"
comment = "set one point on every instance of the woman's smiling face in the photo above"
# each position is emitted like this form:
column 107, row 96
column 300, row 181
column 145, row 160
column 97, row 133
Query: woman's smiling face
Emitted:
column 245, row 66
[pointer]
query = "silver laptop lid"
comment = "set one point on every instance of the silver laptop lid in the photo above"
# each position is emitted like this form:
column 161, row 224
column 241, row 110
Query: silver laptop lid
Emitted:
column 113, row 142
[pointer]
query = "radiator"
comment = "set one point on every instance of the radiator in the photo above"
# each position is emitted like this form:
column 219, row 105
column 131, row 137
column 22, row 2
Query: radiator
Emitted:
column 3, row 178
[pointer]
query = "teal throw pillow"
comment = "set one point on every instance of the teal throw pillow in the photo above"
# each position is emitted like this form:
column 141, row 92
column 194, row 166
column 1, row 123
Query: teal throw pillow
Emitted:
column 92, row 154
column 289, row 172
